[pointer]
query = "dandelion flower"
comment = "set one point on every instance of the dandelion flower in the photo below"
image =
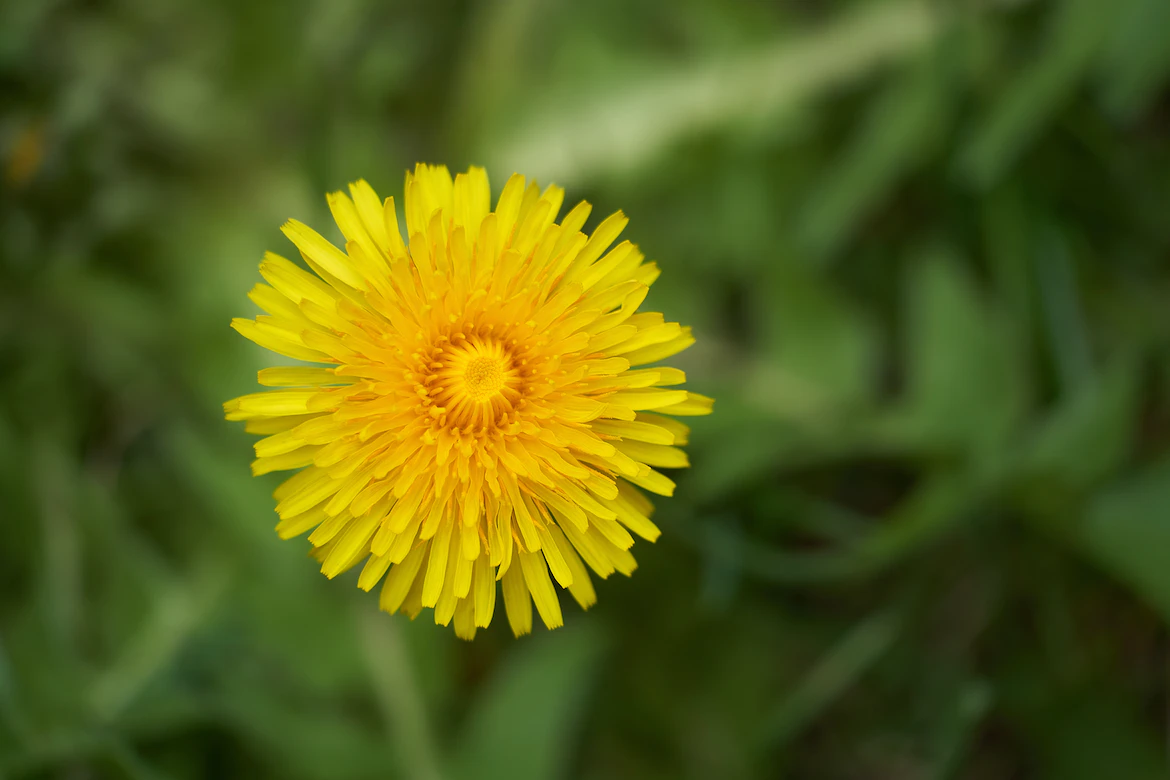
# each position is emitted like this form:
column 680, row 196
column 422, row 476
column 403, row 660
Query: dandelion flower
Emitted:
column 480, row 410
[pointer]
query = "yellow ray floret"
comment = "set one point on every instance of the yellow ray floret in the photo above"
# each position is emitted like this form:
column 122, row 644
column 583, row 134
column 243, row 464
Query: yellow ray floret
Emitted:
column 481, row 411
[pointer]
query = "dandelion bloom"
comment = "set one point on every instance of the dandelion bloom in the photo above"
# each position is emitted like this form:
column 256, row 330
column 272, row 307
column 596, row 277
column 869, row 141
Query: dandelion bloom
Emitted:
column 479, row 414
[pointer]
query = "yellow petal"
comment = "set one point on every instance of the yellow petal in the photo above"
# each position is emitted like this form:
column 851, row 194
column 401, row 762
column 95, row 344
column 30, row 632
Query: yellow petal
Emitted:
column 320, row 253
column 693, row 405
column 517, row 604
column 538, row 582
column 401, row 578
column 484, row 592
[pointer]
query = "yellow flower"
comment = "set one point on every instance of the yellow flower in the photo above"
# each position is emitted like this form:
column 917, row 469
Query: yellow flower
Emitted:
column 480, row 414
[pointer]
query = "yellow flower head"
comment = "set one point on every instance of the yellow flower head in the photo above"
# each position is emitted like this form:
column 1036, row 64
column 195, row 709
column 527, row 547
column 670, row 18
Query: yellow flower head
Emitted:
column 479, row 414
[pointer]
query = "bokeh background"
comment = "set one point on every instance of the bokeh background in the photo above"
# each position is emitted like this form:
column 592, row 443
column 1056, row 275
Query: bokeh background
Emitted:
column 925, row 248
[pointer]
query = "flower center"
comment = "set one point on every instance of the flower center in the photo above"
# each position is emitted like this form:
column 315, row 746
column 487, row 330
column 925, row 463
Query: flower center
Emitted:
column 474, row 384
column 483, row 376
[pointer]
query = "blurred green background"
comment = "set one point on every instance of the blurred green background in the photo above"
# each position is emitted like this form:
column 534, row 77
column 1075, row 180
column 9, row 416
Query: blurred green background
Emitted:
column 924, row 247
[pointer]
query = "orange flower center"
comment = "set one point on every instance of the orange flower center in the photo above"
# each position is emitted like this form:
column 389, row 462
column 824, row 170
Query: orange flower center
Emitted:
column 483, row 377
column 477, row 385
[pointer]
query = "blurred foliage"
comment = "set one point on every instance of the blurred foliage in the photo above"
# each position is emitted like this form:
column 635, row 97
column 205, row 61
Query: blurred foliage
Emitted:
column 925, row 249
